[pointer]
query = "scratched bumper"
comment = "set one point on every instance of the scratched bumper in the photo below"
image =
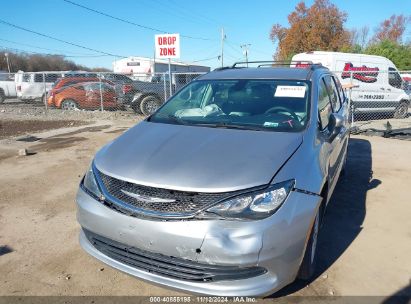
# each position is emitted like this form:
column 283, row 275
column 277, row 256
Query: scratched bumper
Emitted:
column 276, row 244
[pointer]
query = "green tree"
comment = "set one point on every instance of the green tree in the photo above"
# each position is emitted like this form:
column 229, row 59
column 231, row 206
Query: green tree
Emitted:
column 399, row 54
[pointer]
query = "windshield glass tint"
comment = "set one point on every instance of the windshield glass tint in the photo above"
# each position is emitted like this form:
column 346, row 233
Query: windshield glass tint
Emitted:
column 276, row 105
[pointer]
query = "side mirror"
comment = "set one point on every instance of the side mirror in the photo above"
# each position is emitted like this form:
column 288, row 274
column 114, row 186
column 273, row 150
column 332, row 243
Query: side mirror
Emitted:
column 335, row 124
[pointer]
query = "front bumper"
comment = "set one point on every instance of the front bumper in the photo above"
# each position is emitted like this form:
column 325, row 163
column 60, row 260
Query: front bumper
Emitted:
column 276, row 244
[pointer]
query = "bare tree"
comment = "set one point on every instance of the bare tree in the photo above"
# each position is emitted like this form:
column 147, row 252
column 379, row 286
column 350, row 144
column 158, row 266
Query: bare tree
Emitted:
column 363, row 36
column 392, row 29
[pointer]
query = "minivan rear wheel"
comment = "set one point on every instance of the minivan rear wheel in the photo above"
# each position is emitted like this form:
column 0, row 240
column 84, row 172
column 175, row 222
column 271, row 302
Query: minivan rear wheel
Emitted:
column 402, row 110
column 308, row 265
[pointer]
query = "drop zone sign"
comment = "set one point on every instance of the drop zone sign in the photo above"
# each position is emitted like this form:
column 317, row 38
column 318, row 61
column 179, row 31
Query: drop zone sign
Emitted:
column 167, row 45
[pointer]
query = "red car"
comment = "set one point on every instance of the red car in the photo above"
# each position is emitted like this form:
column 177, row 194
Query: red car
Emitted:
column 85, row 95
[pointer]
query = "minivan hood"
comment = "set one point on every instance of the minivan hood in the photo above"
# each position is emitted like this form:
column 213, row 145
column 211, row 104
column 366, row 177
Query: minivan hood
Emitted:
column 199, row 159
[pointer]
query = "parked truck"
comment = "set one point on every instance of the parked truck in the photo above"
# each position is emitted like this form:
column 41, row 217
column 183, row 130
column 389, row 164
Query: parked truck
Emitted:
column 7, row 87
column 149, row 96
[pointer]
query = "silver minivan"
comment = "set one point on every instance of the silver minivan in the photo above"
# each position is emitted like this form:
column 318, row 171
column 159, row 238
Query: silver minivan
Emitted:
column 223, row 189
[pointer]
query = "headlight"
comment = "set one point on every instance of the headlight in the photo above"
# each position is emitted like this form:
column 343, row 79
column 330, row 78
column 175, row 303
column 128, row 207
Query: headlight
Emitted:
column 254, row 205
column 90, row 184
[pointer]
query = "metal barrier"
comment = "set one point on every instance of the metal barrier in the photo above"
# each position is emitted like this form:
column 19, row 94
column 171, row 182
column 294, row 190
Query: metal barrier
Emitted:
column 377, row 97
column 374, row 95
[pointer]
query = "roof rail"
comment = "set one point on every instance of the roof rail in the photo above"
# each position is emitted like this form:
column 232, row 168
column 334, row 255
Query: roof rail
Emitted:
column 299, row 63
column 226, row 68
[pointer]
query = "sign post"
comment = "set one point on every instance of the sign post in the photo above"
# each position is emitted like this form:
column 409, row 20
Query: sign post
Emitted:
column 168, row 47
column 169, row 77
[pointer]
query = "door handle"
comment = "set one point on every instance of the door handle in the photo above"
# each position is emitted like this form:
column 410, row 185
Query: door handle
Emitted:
column 382, row 89
column 389, row 89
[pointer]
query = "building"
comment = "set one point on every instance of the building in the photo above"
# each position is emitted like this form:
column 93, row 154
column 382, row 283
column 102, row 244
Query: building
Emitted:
column 136, row 66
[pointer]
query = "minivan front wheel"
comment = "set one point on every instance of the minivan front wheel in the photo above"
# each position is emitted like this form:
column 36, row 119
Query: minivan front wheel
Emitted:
column 402, row 110
column 307, row 267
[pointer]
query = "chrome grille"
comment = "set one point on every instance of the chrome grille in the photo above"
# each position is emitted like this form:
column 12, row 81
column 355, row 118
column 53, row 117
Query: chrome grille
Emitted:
column 170, row 202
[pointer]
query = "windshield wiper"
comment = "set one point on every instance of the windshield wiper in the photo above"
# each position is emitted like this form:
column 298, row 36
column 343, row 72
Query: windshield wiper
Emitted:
column 177, row 119
column 225, row 125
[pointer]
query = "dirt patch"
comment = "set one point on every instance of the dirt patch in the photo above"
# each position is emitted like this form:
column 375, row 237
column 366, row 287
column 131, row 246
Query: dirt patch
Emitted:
column 363, row 248
column 54, row 143
column 119, row 130
column 88, row 129
column 10, row 128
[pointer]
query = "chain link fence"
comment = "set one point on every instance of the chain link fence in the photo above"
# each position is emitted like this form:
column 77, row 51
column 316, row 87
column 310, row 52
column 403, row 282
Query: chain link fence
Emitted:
column 379, row 100
column 375, row 96
column 141, row 93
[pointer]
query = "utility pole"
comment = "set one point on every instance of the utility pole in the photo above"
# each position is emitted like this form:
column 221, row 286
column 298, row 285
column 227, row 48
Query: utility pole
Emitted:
column 7, row 58
column 222, row 46
column 245, row 48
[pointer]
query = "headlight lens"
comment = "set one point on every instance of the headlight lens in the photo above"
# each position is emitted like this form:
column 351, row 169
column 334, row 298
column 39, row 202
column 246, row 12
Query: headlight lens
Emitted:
column 90, row 184
column 255, row 205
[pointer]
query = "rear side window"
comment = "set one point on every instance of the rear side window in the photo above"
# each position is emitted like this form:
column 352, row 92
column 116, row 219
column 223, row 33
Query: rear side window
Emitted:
column 324, row 105
column 70, row 83
column 38, row 77
column 394, row 78
column 333, row 93
column 107, row 87
column 52, row 77
column 94, row 86
column 121, row 78
column 26, row 77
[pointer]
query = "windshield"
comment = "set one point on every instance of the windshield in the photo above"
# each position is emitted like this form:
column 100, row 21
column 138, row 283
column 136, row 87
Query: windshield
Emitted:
column 273, row 105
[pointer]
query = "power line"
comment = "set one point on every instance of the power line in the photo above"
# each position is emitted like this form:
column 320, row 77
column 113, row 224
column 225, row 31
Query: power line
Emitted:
column 43, row 48
column 165, row 8
column 130, row 22
column 57, row 39
column 49, row 54
column 197, row 14
column 232, row 43
column 206, row 59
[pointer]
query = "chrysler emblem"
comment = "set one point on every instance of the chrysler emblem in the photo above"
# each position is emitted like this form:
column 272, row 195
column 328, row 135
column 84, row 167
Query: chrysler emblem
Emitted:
column 147, row 199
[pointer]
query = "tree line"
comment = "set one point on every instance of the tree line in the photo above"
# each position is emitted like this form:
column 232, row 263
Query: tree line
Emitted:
column 39, row 62
column 321, row 27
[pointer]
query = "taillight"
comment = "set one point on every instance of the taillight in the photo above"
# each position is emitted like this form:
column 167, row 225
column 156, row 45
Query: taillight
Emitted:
column 127, row 88
column 19, row 88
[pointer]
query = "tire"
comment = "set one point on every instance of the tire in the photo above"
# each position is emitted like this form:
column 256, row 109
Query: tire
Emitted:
column 309, row 263
column 2, row 96
column 149, row 105
column 402, row 110
column 136, row 106
column 69, row 105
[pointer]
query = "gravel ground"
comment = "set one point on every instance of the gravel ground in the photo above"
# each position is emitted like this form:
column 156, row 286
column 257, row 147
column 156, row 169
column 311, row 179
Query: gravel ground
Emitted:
column 21, row 111
column 12, row 128
column 364, row 247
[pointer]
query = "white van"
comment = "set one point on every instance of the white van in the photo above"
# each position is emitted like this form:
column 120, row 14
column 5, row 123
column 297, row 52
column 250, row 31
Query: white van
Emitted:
column 378, row 87
column 32, row 86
